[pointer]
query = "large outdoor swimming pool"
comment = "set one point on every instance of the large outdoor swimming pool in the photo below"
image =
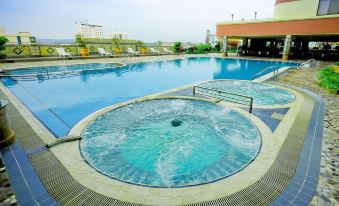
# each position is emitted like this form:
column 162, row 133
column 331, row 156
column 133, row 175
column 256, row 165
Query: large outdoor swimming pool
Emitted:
column 60, row 100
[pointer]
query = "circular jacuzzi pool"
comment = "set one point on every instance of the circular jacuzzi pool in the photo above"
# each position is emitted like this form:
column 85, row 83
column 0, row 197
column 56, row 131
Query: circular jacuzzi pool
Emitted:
column 262, row 94
column 170, row 143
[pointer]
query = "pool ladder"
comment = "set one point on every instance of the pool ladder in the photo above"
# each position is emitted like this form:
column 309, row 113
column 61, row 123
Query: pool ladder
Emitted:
column 224, row 96
column 309, row 63
column 275, row 72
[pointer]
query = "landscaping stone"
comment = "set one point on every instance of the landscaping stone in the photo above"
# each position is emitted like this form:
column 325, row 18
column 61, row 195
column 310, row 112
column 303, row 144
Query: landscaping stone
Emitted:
column 327, row 190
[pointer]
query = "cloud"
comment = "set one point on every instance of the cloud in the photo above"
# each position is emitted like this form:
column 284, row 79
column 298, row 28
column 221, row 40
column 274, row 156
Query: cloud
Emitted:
column 148, row 20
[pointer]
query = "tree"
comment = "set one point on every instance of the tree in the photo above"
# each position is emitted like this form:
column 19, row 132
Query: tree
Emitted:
column 3, row 41
column 177, row 46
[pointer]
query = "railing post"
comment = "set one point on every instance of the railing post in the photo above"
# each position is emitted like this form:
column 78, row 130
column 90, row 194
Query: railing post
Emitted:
column 251, row 105
column 193, row 90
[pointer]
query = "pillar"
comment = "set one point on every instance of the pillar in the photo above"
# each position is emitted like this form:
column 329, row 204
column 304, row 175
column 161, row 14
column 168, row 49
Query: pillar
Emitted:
column 287, row 47
column 224, row 44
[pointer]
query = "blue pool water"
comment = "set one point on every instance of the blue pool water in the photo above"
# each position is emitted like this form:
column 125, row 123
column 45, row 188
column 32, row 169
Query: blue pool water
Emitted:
column 145, row 147
column 262, row 94
column 60, row 101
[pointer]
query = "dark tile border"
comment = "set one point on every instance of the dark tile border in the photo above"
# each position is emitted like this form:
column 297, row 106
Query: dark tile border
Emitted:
column 25, row 183
column 303, row 185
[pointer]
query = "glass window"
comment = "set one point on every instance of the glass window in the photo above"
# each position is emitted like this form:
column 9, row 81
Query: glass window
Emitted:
column 328, row 7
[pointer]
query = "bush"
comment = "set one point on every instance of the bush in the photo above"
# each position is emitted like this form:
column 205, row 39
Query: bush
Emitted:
column 80, row 41
column 337, row 63
column 3, row 41
column 194, row 50
column 217, row 46
column 329, row 79
column 203, row 48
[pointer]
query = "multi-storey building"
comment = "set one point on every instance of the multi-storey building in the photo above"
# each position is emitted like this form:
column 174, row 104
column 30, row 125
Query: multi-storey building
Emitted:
column 90, row 29
column 295, row 24
column 19, row 38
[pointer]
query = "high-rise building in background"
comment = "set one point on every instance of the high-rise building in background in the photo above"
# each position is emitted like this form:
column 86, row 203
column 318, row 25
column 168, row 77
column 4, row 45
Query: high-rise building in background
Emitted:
column 90, row 29
column 210, row 38
column 117, row 35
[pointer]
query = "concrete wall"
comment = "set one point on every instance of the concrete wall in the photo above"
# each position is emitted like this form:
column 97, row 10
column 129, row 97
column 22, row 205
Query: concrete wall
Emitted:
column 298, row 9
column 295, row 9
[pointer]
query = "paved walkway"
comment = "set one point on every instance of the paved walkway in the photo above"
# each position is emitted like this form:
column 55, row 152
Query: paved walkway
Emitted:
column 327, row 191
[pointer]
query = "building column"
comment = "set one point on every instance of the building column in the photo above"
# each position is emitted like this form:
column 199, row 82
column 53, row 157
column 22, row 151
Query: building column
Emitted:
column 287, row 47
column 224, row 44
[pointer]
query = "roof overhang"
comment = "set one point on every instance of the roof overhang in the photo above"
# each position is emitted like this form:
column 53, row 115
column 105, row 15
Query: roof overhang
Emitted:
column 321, row 26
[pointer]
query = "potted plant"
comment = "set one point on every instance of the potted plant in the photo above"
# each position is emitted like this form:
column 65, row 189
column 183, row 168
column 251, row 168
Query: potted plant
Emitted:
column 141, row 44
column 3, row 41
column 116, row 44
column 84, row 51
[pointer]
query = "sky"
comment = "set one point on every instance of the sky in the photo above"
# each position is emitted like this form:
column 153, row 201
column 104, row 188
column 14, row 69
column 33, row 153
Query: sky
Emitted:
column 146, row 20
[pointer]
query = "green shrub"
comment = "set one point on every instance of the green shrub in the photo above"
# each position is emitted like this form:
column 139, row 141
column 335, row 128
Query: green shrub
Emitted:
column 337, row 63
column 3, row 41
column 80, row 41
column 203, row 48
column 329, row 79
column 194, row 50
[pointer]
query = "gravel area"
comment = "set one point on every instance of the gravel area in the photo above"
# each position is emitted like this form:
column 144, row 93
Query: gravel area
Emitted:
column 7, row 197
column 328, row 185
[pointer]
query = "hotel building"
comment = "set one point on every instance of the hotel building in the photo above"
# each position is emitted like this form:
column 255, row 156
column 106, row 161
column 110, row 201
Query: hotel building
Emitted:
column 90, row 29
column 295, row 24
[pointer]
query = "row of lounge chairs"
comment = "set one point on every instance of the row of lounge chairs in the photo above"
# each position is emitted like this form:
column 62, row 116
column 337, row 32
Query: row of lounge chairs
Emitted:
column 62, row 53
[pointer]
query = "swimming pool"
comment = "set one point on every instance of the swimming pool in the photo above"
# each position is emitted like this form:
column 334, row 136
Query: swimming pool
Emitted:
column 170, row 142
column 60, row 102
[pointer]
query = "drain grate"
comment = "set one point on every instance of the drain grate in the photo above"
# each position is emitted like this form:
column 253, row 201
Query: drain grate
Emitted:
column 61, row 185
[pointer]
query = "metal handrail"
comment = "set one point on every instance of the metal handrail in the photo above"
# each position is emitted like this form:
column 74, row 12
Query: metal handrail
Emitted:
column 275, row 72
column 310, row 61
column 221, row 95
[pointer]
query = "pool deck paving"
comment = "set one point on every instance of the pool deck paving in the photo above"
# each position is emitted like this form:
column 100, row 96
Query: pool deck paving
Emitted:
column 328, row 179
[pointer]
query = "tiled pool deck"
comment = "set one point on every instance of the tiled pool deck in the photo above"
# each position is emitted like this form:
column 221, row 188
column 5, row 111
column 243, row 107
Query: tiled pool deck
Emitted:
column 37, row 176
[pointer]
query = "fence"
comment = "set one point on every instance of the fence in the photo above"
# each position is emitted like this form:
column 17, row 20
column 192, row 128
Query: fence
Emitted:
column 49, row 50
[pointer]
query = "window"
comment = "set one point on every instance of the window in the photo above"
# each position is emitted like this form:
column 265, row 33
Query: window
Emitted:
column 328, row 7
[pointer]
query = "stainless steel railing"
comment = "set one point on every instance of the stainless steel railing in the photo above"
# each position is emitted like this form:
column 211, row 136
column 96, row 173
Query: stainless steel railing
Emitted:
column 225, row 96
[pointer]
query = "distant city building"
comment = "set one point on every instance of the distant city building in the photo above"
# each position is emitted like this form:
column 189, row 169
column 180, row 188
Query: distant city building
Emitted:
column 117, row 35
column 19, row 38
column 208, row 35
column 90, row 29
column 210, row 38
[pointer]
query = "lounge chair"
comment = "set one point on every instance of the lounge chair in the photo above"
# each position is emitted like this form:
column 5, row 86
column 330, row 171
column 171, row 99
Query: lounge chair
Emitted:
column 154, row 51
column 62, row 53
column 102, row 52
column 131, row 52
column 166, row 51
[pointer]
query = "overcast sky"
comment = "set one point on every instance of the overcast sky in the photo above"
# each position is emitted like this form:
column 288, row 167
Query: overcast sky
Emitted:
column 147, row 20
